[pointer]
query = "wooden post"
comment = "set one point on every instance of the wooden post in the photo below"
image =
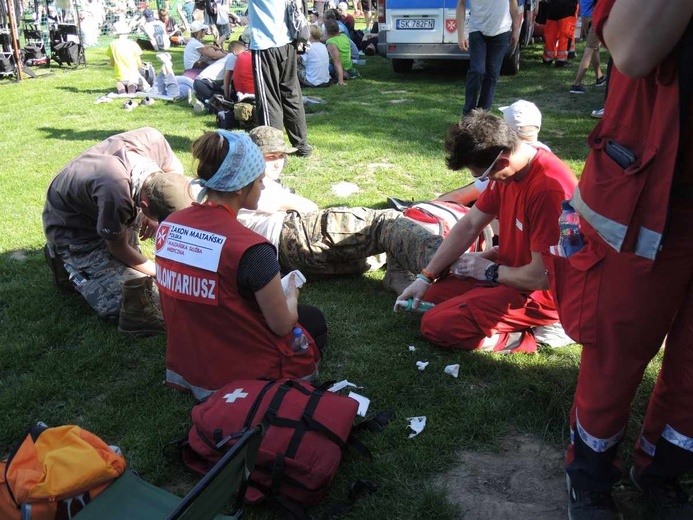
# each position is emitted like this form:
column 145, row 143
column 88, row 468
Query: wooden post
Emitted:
column 15, row 42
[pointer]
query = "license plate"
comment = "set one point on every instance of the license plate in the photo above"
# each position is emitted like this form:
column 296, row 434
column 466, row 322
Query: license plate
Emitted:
column 415, row 23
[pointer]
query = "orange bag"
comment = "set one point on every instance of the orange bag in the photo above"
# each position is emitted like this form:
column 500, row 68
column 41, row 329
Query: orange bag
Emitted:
column 54, row 469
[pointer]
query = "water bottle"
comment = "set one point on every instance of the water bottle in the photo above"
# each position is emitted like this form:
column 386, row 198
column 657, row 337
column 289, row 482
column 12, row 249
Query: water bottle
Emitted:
column 569, row 223
column 299, row 341
column 76, row 278
column 408, row 306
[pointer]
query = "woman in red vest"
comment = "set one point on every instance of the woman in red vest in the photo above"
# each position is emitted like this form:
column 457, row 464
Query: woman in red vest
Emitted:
column 226, row 313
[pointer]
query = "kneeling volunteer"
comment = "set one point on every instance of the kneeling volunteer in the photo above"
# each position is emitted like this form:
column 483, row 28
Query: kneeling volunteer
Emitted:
column 227, row 315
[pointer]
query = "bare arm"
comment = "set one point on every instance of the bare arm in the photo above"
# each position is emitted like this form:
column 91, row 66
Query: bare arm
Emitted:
column 464, row 195
column 530, row 277
column 334, row 54
column 123, row 252
column 515, row 15
column 211, row 52
column 228, row 76
column 461, row 236
column 280, row 311
column 662, row 21
column 460, row 15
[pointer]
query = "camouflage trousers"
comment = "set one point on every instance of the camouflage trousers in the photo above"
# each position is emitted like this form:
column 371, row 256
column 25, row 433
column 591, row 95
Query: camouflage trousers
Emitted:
column 337, row 241
column 100, row 276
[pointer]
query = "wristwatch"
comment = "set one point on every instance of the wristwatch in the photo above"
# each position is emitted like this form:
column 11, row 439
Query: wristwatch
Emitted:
column 491, row 273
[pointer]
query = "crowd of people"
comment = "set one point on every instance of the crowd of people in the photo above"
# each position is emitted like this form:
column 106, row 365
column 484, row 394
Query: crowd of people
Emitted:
column 224, row 239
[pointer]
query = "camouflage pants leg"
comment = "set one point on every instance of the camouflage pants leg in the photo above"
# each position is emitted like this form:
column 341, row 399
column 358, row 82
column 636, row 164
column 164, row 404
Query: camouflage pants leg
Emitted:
column 410, row 245
column 333, row 241
column 103, row 275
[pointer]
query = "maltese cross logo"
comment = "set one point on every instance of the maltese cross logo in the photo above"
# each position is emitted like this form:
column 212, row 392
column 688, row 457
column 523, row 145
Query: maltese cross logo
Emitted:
column 161, row 236
column 451, row 25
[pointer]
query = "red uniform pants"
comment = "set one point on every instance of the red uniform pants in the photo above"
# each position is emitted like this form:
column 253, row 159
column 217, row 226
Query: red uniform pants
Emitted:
column 557, row 36
column 626, row 308
column 468, row 311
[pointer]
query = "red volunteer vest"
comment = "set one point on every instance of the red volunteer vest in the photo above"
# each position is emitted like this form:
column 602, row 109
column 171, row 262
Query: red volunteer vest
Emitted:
column 214, row 335
column 627, row 207
column 243, row 74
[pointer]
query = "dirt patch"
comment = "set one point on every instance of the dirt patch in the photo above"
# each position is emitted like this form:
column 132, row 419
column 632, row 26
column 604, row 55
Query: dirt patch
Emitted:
column 18, row 255
column 524, row 480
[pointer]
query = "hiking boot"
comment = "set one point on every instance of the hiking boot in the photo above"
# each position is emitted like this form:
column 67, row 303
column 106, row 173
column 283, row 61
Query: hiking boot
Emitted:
column 397, row 279
column 140, row 313
column 601, row 81
column 61, row 278
column 666, row 500
column 591, row 505
column 577, row 89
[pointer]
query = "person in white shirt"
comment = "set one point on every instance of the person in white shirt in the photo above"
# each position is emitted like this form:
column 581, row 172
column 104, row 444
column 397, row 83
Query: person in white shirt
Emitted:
column 493, row 25
column 314, row 64
column 196, row 54
column 156, row 32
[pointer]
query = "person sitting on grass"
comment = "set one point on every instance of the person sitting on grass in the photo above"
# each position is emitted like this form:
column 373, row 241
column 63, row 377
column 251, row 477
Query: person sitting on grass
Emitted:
column 196, row 54
column 495, row 297
column 238, row 75
column 341, row 66
column 345, row 17
column 524, row 118
column 333, row 14
column 314, row 64
column 175, row 33
column 95, row 209
column 125, row 58
column 226, row 312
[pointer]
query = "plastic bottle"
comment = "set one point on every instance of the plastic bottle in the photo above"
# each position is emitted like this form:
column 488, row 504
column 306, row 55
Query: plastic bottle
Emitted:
column 299, row 341
column 408, row 306
column 76, row 278
column 569, row 223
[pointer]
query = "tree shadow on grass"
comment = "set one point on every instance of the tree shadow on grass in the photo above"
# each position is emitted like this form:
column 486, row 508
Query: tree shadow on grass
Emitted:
column 83, row 90
column 177, row 142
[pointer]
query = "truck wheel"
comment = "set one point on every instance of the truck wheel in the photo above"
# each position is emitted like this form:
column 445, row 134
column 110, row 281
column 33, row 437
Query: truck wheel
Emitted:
column 511, row 63
column 402, row 66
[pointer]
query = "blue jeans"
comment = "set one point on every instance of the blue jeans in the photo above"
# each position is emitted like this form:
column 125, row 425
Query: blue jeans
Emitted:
column 486, row 55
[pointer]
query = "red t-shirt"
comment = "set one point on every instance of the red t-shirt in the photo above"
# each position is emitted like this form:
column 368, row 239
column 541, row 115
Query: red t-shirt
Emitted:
column 243, row 74
column 528, row 209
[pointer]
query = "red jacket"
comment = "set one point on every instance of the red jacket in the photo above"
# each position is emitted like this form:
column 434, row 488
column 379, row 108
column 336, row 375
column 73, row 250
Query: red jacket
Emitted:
column 214, row 335
column 628, row 208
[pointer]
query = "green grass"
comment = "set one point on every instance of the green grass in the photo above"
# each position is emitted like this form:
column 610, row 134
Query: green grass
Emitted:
column 61, row 364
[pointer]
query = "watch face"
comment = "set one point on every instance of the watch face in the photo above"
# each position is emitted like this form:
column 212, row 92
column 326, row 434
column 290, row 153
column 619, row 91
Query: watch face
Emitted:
column 491, row 272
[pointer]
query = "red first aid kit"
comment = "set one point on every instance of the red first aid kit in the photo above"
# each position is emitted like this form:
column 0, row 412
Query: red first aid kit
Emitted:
column 307, row 429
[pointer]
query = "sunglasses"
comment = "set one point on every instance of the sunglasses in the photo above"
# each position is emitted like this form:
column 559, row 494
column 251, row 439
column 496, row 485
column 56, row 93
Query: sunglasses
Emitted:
column 486, row 173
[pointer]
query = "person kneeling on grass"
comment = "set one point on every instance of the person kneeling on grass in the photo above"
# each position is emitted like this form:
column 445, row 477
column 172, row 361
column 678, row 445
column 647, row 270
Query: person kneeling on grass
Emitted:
column 221, row 296
column 125, row 58
column 96, row 207
column 339, row 49
column 500, row 293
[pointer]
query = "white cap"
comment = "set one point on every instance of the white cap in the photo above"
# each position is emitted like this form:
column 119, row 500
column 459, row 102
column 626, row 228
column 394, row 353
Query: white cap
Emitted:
column 342, row 7
column 197, row 26
column 121, row 28
column 521, row 113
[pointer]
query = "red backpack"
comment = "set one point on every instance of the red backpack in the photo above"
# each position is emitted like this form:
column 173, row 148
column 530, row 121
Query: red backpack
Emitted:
column 307, row 429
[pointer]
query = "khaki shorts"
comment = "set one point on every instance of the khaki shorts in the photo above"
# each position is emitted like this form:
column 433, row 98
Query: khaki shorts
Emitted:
column 592, row 41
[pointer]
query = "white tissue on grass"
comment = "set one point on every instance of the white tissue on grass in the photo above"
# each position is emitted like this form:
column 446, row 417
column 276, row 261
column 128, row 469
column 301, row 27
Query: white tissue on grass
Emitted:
column 341, row 384
column 453, row 370
column 364, row 403
column 417, row 424
column 412, row 348
column 421, row 365
column 344, row 189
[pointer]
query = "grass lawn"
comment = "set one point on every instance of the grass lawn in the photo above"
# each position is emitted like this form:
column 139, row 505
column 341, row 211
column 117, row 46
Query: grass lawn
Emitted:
column 61, row 364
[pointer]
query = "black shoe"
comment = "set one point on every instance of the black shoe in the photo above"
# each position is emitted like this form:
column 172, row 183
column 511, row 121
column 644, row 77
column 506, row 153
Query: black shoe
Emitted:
column 577, row 89
column 304, row 151
column 399, row 204
column 668, row 501
column 591, row 505
column 562, row 64
column 547, row 62
column 601, row 81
